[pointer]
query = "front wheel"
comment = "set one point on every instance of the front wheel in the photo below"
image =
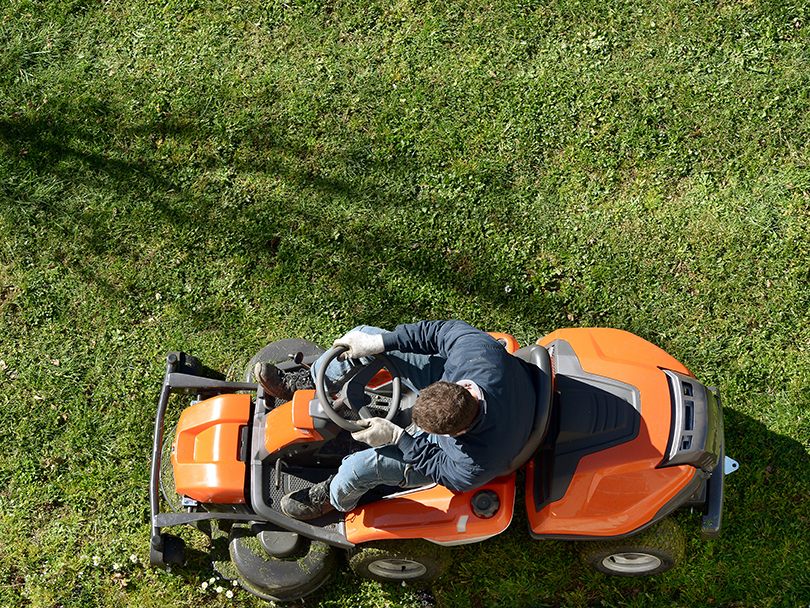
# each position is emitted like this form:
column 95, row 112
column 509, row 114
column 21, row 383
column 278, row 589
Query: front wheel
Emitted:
column 399, row 561
column 300, row 570
column 656, row 550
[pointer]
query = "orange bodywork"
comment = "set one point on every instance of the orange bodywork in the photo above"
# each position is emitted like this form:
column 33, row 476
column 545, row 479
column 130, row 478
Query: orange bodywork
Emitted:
column 435, row 513
column 617, row 490
column 380, row 378
column 510, row 343
column 290, row 423
column 205, row 454
column 613, row 492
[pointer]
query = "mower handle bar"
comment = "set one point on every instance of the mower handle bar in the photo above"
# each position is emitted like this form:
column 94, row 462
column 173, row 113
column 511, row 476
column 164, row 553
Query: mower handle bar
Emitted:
column 176, row 381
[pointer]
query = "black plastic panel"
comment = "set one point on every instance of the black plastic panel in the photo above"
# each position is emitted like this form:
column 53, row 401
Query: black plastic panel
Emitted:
column 593, row 413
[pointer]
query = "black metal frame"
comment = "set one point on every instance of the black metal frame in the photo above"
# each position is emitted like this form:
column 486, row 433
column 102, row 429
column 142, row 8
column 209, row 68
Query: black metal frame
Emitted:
column 182, row 375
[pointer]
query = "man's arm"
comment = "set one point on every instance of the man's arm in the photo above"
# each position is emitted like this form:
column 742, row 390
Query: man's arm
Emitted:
column 359, row 344
column 430, row 459
column 458, row 474
column 430, row 337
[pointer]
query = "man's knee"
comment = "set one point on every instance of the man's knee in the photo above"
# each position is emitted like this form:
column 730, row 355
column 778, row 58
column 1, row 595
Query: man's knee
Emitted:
column 374, row 466
column 359, row 466
column 356, row 475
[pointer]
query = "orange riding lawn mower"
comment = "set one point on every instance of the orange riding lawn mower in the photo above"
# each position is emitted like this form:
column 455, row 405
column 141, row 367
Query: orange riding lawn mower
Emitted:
column 623, row 436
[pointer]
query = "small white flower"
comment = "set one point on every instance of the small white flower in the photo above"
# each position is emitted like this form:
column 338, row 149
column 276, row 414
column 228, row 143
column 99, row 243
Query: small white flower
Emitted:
column 212, row 580
column 220, row 590
column 96, row 560
column 157, row 296
column 235, row 583
column 229, row 594
column 204, row 585
column 116, row 567
column 133, row 558
column 508, row 289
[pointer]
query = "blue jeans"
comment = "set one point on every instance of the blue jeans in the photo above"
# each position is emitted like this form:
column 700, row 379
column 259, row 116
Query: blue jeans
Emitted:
column 362, row 471
column 365, row 470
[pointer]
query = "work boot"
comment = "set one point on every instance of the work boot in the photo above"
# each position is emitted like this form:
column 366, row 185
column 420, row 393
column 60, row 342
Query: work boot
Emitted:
column 308, row 503
column 268, row 376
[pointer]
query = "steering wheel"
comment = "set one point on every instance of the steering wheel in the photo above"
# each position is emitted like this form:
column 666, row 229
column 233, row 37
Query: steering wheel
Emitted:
column 350, row 389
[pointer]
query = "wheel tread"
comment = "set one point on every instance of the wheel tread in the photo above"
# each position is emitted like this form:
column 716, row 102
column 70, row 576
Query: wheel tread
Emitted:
column 664, row 540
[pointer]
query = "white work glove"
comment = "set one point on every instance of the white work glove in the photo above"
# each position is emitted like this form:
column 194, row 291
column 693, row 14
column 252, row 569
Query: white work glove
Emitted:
column 360, row 345
column 378, row 432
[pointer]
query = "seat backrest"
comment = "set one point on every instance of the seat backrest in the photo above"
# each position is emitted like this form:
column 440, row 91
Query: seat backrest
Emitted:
column 540, row 369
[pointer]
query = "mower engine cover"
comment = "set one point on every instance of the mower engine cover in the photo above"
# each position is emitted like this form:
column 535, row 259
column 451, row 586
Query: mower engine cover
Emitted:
column 208, row 455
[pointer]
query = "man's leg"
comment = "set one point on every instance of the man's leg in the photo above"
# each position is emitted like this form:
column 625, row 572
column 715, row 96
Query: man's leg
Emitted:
column 358, row 473
column 363, row 471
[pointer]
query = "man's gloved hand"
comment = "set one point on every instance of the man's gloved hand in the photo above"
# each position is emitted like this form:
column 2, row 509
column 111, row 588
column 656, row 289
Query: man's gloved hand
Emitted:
column 360, row 345
column 378, row 432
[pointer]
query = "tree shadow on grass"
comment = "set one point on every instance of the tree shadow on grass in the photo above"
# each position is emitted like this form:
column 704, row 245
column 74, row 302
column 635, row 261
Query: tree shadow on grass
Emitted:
column 112, row 193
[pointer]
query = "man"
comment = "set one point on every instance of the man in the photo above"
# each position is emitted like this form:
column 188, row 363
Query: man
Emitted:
column 474, row 413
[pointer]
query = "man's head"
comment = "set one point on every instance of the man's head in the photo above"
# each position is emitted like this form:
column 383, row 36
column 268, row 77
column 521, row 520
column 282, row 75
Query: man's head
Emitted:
column 445, row 408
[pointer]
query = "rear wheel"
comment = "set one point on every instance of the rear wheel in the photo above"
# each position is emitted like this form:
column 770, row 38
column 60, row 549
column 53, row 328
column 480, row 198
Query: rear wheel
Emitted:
column 656, row 550
column 396, row 561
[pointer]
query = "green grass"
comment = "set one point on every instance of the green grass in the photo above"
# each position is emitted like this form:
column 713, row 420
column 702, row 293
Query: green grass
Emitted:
column 211, row 176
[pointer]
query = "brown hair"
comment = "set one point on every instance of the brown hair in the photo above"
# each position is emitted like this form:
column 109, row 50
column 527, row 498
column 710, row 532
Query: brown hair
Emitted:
column 445, row 408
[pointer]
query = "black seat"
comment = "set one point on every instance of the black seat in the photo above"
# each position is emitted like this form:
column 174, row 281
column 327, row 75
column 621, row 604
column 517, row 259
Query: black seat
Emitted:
column 540, row 368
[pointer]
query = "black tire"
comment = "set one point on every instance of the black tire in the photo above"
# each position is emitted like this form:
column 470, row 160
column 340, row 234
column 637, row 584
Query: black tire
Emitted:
column 172, row 551
column 278, row 579
column 166, row 473
column 279, row 351
column 656, row 550
column 394, row 561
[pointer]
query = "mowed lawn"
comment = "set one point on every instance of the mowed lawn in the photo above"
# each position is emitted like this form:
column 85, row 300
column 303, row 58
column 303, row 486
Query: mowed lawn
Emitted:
column 213, row 176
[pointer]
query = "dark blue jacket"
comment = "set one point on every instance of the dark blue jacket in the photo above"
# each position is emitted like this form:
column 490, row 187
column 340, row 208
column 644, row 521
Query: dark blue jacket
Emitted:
column 504, row 421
